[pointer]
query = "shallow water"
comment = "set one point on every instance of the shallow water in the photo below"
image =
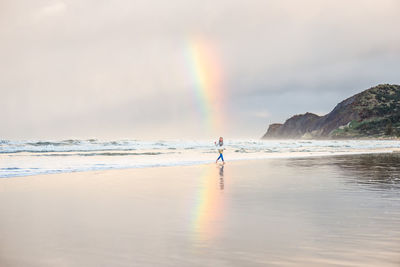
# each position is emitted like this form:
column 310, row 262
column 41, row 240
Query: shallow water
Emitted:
column 325, row 211
column 23, row 158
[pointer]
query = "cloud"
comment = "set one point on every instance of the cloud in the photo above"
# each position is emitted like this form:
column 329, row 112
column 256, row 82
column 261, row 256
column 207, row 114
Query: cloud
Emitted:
column 122, row 66
column 52, row 9
column 260, row 114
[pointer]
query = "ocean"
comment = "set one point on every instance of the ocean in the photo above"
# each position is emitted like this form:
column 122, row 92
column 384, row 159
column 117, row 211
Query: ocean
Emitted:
column 33, row 157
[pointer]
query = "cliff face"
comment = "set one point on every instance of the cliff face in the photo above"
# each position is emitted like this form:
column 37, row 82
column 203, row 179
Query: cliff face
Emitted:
column 294, row 127
column 273, row 130
column 372, row 113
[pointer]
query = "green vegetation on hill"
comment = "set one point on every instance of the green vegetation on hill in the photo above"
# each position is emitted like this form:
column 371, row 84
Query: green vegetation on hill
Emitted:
column 369, row 128
column 379, row 101
column 379, row 110
column 373, row 113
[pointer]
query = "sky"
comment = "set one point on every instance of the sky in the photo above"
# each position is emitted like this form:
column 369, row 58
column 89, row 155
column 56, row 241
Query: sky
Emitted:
column 185, row 69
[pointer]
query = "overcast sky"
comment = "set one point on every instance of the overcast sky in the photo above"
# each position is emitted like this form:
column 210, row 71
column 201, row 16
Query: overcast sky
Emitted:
column 118, row 69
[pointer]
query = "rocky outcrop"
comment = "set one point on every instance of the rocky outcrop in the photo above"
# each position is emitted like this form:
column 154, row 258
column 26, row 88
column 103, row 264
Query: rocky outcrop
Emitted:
column 273, row 130
column 367, row 114
column 294, row 127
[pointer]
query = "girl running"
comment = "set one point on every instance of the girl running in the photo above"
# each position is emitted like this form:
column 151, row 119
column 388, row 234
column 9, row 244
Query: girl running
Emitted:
column 220, row 148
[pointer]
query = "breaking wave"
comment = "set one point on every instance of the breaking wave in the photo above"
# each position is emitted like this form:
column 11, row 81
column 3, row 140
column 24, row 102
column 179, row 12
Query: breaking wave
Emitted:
column 31, row 157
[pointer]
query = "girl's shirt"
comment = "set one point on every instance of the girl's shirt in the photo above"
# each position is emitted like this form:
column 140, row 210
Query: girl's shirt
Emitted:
column 220, row 147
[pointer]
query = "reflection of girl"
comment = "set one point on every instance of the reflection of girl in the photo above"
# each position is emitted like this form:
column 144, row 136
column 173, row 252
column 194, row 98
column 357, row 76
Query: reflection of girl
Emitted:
column 220, row 147
column 221, row 177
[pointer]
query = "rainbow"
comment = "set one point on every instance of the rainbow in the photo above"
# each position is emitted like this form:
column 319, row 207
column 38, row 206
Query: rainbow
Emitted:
column 206, row 76
column 209, row 209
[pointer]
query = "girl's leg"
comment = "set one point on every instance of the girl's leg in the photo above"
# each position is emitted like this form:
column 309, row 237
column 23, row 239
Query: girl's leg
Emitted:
column 222, row 157
column 218, row 158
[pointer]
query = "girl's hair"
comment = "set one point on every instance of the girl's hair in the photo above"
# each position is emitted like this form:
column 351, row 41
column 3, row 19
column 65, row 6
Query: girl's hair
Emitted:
column 221, row 143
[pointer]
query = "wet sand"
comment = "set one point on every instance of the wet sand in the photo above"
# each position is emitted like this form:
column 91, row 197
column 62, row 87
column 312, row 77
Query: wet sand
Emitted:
column 320, row 211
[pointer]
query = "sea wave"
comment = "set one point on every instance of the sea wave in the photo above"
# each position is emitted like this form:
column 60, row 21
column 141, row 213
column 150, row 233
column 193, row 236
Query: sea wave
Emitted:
column 99, row 154
column 31, row 157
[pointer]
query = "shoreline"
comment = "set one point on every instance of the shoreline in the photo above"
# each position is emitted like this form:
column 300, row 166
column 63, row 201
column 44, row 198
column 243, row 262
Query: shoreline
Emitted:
column 293, row 155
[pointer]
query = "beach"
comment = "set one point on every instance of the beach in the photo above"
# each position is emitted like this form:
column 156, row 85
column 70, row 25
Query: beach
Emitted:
column 309, row 211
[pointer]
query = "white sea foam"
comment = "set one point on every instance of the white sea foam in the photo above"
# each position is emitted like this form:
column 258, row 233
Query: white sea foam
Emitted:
column 21, row 158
